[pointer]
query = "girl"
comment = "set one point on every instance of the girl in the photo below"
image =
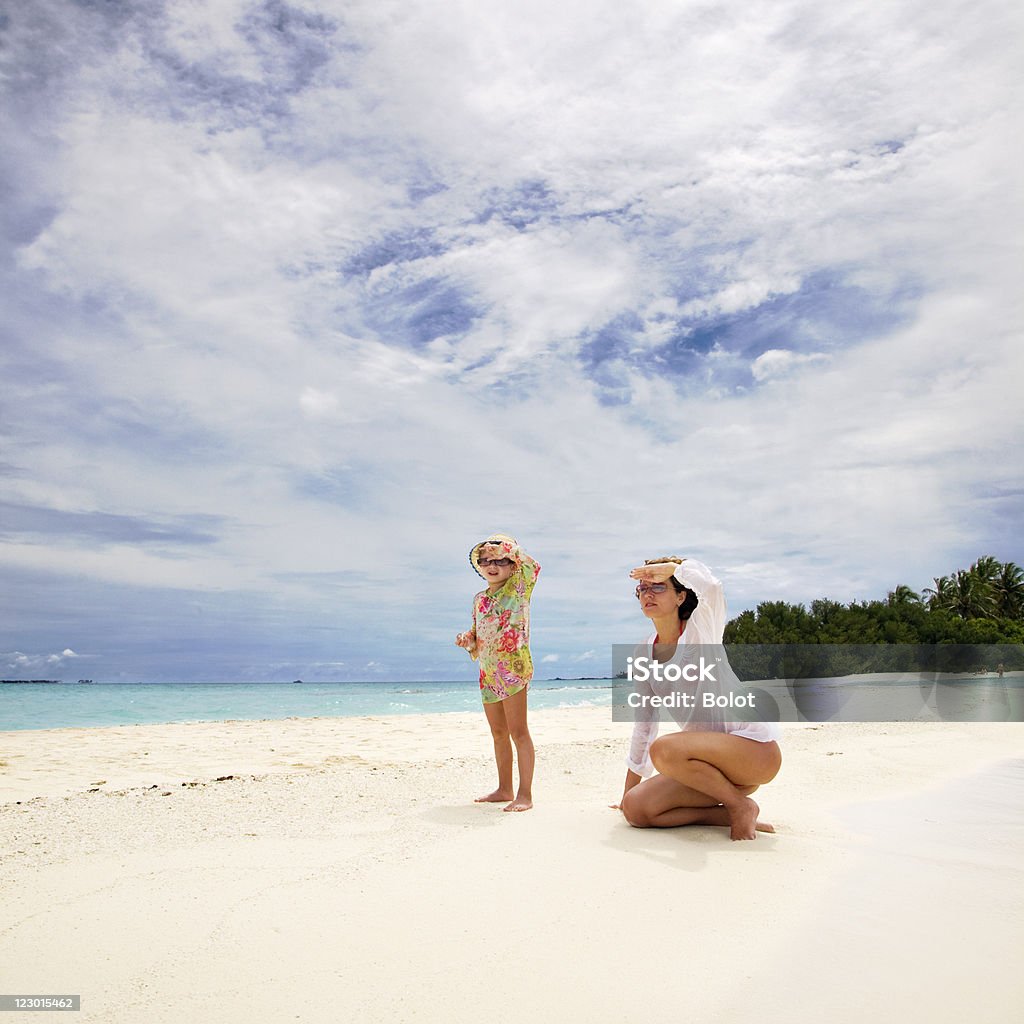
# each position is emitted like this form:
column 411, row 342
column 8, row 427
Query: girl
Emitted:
column 500, row 639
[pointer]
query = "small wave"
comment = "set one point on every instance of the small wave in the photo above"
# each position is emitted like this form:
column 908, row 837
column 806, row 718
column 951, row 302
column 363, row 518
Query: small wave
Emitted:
column 574, row 689
column 581, row 704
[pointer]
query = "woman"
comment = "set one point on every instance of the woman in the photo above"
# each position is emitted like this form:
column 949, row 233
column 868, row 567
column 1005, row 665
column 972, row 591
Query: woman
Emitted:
column 707, row 771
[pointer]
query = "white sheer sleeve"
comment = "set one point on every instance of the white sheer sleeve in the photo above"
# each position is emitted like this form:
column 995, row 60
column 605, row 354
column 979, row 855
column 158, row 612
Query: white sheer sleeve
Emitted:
column 645, row 728
column 707, row 623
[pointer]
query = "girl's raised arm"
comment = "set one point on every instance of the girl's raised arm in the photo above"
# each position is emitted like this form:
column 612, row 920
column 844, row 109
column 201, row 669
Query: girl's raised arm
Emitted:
column 528, row 571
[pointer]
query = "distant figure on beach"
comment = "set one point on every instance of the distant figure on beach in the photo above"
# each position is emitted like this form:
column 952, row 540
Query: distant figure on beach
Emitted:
column 500, row 640
column 707, row 771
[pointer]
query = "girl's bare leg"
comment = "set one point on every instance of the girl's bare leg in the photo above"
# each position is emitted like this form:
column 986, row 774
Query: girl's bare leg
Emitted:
column 502, row 753
column 724, row 767
column 515, row 716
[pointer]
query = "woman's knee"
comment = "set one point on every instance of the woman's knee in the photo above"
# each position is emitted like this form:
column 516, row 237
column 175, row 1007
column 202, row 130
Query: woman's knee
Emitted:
column 634, row 812
column 665, row 748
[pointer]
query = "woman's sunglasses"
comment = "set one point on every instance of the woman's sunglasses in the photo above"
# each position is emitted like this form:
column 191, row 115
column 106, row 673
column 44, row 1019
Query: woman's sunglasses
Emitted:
column 654, row 588
column 501, row 563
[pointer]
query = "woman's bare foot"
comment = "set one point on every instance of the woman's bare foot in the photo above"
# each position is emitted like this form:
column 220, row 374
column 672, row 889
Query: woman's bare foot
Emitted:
column 720, row 816
column 521, row 803
column 743, row 819
column 499, row 796
column 707, row 816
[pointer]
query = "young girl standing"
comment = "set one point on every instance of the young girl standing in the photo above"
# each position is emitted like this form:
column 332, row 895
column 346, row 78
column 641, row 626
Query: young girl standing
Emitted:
column 500, row 640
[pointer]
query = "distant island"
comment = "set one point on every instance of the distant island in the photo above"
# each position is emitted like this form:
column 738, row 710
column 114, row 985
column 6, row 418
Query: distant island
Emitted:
column 36, row 681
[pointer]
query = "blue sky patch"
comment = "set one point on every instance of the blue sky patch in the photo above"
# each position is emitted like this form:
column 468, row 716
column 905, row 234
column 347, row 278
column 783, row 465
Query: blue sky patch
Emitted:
column 422, row 312
column 106, row 527
column 393, row 249
column 520, row 206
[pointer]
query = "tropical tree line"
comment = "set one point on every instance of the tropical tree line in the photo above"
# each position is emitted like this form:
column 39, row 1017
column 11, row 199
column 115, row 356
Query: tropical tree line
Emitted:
column 983, row 604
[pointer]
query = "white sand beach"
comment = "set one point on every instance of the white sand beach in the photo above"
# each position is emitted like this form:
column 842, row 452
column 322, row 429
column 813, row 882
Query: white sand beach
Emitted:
column 341, row 871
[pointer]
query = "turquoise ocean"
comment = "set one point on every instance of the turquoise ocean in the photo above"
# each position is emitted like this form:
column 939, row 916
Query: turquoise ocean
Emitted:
column 853, row 698
column 77, row 705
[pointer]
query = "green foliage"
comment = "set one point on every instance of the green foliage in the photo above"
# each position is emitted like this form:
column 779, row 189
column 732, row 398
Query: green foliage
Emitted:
column 980, row 605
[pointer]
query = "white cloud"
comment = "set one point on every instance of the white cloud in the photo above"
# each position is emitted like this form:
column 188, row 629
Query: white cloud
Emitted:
column 20, row 662
column 779, row 362
column 318, row 404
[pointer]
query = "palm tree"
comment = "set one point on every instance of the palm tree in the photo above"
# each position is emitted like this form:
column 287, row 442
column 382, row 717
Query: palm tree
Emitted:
column 903, row 595
column 973, row 596
column 941, row 594
column 1009, row 591
column 986, row 569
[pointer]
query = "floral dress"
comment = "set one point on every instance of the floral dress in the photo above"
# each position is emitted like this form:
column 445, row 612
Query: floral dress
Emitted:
column 501, row 624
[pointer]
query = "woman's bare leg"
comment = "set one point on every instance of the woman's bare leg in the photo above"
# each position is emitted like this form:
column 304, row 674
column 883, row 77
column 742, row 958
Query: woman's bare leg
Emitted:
column 722, row 767
column 661, row 802
column 515, row 716
column 502, row 753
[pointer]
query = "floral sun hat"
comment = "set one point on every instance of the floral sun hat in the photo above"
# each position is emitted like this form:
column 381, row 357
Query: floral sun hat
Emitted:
column 509, row 548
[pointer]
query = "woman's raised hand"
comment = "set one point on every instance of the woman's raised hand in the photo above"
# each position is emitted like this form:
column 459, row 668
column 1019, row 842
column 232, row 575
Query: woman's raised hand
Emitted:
column 466, row 640
column 658, row 572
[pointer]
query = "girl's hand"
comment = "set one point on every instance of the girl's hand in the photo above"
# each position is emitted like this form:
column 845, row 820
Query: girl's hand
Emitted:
column 656, row 573
column 503, row 550
column 466, row 640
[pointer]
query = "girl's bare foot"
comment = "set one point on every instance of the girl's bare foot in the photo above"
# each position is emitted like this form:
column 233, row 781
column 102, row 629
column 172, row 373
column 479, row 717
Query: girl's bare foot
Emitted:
column 499, row 796
column 521, row 803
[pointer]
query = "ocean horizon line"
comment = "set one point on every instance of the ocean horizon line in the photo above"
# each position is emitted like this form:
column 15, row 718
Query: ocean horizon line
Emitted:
column 277, row 682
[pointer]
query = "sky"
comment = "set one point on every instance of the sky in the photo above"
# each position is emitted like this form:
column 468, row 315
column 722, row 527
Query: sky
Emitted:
column 300, row 300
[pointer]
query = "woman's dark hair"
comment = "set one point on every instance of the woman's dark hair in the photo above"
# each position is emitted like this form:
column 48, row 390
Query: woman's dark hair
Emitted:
column 687, row 608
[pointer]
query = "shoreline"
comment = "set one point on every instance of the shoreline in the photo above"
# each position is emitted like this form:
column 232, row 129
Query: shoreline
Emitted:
column 355, row 878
